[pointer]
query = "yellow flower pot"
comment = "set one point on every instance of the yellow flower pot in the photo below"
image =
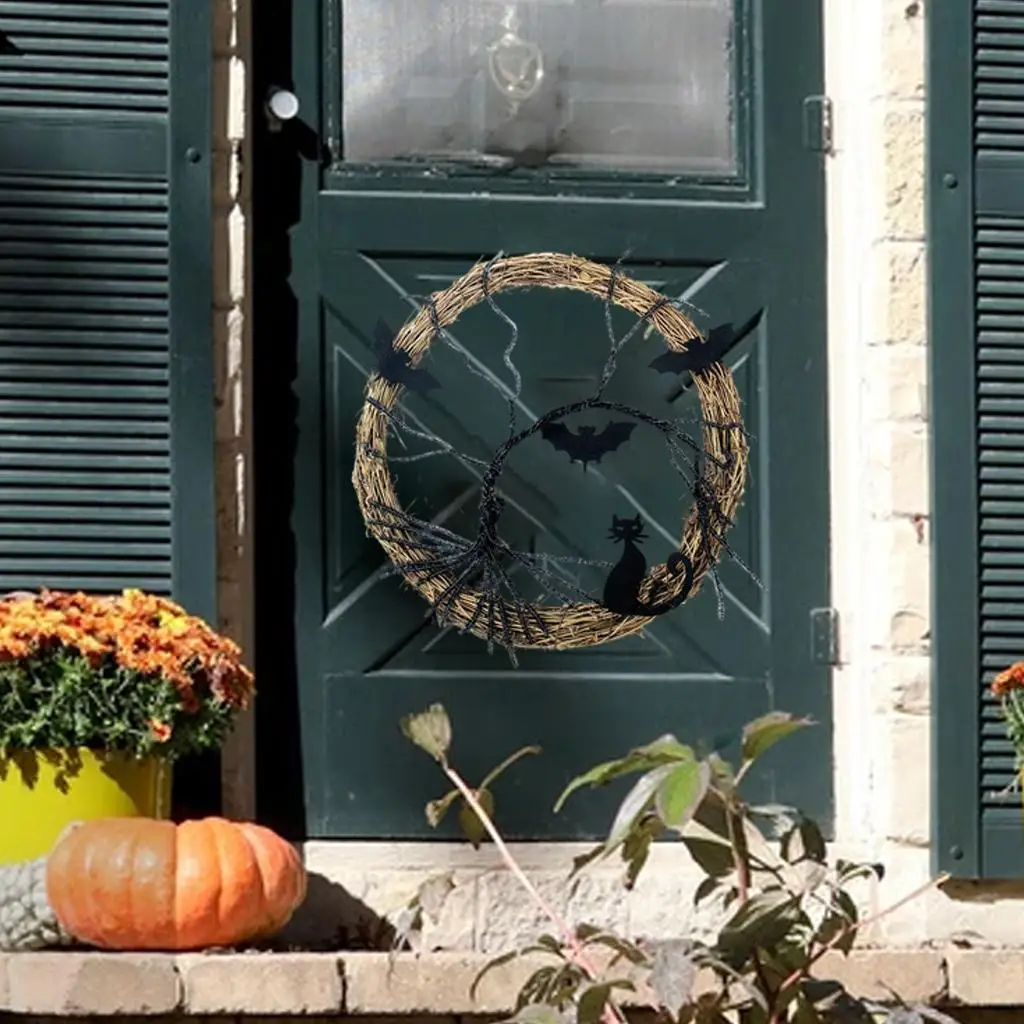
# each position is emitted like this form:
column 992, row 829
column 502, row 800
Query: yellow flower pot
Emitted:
column 42, row 791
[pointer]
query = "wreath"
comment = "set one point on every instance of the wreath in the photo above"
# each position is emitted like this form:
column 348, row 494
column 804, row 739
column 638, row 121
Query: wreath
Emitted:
column 468, row 582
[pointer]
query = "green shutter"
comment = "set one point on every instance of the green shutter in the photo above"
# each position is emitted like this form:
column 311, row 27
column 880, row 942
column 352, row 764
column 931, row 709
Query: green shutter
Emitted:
column 106, row 375
column 976, row 255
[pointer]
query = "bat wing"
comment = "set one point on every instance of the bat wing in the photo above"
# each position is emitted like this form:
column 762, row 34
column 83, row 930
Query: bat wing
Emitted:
column 700, row 352
column 383, row 335
column 562, row 439
column 419, row 380
column 719, row 342
column 671, row 362
column 614, row 435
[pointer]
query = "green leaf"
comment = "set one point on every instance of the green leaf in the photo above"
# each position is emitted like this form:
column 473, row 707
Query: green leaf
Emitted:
column 833, row 1003
column 762, row 921
column 832, row 924
column 804, row 842
column 549, row 944
column 536, row 987
column 846, row 906
column 638, row 800
column 592, row 1002
column 430, row 730
column 665, row 750
column 838, row 921
column 782, row 817
column 472, row 827
column 847, row 871
column 493, row 774
column 764, row 732
column 637, row 847
column 681, row 791
column 498, row 961
column 624, row 950
column 437, row 809
column 721, row 772
column 713, row 815
column 805, row 1012
column 580, row 861
column 715, row 859
column 564, row 984
column 705, row 889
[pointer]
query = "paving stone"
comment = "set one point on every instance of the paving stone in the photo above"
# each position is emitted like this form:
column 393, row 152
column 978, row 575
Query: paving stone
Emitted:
column 86, row 984
column 986, row 977
column 280, row 983
column 916, row 976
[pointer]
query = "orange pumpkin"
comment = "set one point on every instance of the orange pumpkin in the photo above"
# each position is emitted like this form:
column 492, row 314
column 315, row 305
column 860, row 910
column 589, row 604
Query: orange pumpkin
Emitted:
column 140, row 883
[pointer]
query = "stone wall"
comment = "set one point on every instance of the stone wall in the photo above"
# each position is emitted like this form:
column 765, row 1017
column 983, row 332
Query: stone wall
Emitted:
column 436, row 989
column 880, row 560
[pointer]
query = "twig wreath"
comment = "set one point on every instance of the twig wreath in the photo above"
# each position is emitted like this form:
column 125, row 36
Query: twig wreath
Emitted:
column 468, row 582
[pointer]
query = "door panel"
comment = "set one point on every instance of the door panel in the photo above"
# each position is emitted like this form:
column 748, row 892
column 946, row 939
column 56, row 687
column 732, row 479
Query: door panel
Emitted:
column 742, row 242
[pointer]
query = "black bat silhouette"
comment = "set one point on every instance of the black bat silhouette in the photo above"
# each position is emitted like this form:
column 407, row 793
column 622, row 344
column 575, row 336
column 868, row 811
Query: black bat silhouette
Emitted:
column 588, row 445
column 699, row 354
column 395, row 365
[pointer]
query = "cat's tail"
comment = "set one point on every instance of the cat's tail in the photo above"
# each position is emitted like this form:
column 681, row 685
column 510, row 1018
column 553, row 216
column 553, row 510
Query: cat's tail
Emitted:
column 677, row 562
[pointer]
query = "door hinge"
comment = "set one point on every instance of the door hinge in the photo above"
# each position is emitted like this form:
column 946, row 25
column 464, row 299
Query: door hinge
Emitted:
column 819, row 124
column 824, row 636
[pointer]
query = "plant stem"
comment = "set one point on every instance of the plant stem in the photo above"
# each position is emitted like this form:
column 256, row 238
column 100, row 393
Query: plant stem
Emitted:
column 855, row 926
column 766, row 989
column 740, row 855
column 612, row 1014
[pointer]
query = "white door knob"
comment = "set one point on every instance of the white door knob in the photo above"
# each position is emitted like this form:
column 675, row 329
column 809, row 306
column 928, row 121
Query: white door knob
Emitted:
column 282, row 104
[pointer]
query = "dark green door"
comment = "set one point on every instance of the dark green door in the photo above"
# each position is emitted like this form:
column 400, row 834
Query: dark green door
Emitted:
column 680, row 133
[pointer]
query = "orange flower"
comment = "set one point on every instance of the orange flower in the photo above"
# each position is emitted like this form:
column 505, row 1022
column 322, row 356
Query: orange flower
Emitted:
column 141, row 632
column 161, row 731
column 1009, row 679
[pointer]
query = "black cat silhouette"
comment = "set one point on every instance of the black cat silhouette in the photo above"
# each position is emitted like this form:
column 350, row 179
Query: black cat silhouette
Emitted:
column 622, row 588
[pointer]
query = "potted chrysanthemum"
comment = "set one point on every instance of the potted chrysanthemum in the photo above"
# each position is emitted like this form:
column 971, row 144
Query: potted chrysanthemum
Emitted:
column 98, row 696
column 1008, row 689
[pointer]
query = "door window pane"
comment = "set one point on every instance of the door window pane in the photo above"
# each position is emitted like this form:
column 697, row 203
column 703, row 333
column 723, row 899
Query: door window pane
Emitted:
column 623, row 84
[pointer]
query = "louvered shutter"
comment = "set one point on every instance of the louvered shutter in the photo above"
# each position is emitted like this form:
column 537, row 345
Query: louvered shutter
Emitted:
column 976, row 253
column 106, row 401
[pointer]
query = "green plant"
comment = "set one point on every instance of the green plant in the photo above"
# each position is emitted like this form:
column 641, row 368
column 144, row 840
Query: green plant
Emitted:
column 130, row 672
column 782, row 904
column 1008, row 689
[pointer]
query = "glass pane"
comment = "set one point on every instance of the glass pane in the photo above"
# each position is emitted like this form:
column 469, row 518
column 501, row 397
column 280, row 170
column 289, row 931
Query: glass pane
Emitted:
column 630, row 84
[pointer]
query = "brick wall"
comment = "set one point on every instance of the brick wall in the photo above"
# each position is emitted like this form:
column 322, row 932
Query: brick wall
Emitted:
column 231, row 46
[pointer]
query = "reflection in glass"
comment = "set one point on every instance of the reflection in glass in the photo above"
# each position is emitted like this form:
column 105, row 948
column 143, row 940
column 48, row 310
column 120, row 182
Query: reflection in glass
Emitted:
column 626, row 84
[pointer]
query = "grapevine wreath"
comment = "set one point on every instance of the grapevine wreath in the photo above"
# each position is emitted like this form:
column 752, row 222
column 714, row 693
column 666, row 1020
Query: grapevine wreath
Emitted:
column 466, row 581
